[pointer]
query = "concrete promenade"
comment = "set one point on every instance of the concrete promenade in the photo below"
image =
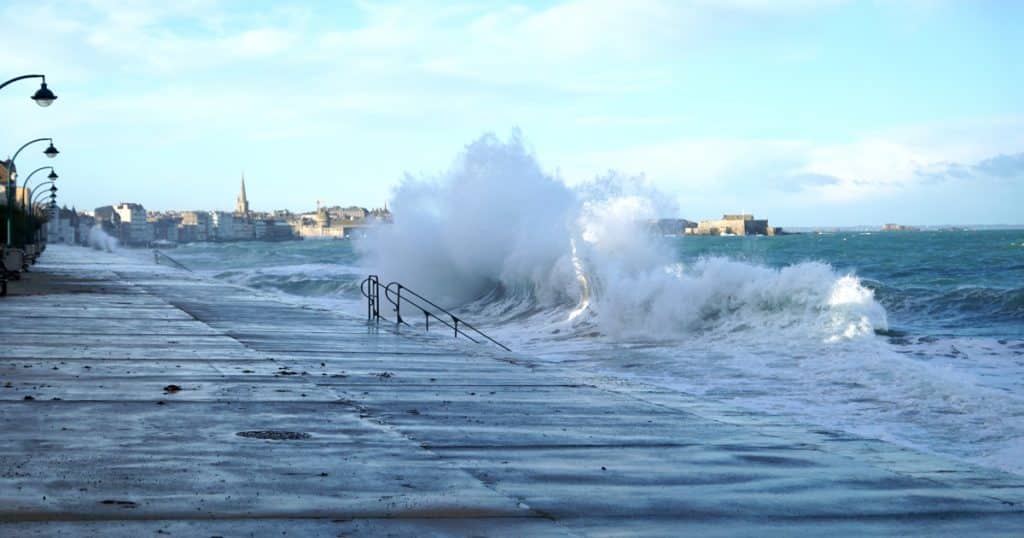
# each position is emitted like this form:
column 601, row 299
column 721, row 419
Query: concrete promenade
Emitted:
column 124, row 387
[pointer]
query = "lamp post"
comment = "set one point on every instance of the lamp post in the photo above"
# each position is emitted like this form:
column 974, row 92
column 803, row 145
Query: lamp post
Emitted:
column 12, row 173
column 44, row 98
column 37, row 199
column 52, row 177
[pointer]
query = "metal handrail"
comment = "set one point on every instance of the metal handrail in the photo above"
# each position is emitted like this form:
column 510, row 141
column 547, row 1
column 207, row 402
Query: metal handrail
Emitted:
column 393, row 292
column 370, row 287
column 158, row 254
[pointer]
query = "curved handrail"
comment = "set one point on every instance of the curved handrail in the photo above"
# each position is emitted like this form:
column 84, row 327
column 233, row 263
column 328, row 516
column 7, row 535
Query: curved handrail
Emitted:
column 158, row 254
column 370, row 288
column 393, row 292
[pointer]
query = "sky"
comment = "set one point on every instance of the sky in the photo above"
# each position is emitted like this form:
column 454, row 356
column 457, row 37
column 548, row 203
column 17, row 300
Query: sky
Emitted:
column 803, row 112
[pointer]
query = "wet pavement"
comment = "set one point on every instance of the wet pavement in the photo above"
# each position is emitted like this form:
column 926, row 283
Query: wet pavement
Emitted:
column 143, row 400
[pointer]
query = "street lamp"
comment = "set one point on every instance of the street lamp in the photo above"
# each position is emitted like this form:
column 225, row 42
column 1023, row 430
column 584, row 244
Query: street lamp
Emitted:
column 39, row 208
column 12, row 170
column 52, row 177
column 43, row 96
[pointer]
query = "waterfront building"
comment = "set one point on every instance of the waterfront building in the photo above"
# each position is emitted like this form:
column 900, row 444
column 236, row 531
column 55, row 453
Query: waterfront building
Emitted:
column 328, row 224
column 352, row 213
column 270, row 229
column 222, row 226
column 165, row 226
column 108, row 220
column 195, row 226
column 83, row 223
column 135, row 229
column 62, row 226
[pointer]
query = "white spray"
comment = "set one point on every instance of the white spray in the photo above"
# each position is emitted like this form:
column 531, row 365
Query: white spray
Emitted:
column 497, row 227
column 101, row 240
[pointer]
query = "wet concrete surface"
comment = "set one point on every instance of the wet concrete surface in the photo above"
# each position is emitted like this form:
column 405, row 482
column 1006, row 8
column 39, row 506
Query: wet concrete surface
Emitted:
column 350, row 429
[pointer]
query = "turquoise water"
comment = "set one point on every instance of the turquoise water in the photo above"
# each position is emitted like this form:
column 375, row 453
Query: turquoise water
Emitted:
column 930, row 283
column 936, row 283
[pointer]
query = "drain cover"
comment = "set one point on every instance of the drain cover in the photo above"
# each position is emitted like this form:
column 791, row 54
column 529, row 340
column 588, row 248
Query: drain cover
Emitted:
column 275, row 435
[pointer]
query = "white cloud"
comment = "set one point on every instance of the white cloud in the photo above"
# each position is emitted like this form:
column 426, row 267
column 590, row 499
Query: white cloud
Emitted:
column 885, row 164
column 261, row 42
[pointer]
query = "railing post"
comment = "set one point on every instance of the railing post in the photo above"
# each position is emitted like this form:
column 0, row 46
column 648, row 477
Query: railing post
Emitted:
column 427, row 314
column 376, row 299
column 398, row 306
column 456, row 326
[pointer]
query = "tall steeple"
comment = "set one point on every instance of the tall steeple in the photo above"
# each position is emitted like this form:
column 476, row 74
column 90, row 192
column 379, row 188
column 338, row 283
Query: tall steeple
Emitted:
column 242, row 205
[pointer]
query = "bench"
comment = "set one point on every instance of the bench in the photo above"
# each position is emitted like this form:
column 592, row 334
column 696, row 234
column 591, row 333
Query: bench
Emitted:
column 12, row 262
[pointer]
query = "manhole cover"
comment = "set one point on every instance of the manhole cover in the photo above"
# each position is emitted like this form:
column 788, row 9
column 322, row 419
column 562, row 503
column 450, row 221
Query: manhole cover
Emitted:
column 275, row 435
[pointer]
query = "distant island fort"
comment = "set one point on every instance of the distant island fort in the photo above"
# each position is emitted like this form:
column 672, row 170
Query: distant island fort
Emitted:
column 742, row 224
column 728, row 225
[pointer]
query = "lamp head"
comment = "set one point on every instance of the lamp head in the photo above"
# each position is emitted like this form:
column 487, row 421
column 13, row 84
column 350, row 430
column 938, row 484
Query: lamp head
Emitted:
column 51, row 151
column 53, row 175
column 43, row 96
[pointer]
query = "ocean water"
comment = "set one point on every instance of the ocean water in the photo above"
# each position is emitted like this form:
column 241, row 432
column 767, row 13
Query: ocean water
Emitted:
column 916, row 337
column 777, row 327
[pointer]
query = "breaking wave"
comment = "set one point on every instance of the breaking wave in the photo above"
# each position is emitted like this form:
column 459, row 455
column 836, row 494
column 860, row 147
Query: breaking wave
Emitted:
column 501, row 237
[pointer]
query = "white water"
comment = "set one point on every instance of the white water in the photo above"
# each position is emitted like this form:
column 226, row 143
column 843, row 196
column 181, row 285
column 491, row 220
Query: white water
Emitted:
column 569, row 274
column 101, row 240
column 497, row 226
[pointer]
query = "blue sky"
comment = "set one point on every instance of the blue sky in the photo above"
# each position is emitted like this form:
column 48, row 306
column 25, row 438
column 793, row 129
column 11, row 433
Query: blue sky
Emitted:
column 807, row 113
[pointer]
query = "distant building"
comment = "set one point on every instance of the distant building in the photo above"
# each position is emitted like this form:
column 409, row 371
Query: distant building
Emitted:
column 62, row 226
column 135, row 229
column 4, row 179
column 23, row 196
column 269, row 229
column 331, row 223
column 83, row 225
column 743, row 224
column 352, row 213
column 108, row 220
column 195, row 226
column 222, row 226
column 899, row 228
column 165, row 227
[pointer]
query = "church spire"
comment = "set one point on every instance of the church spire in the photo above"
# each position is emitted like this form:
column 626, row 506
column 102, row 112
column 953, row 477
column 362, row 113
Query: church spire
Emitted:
column 242, row 205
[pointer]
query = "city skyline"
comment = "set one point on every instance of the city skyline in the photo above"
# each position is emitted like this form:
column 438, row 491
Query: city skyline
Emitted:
column 812, row 113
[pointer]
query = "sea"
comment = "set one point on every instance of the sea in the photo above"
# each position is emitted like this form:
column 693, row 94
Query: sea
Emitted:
column 915, row 338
